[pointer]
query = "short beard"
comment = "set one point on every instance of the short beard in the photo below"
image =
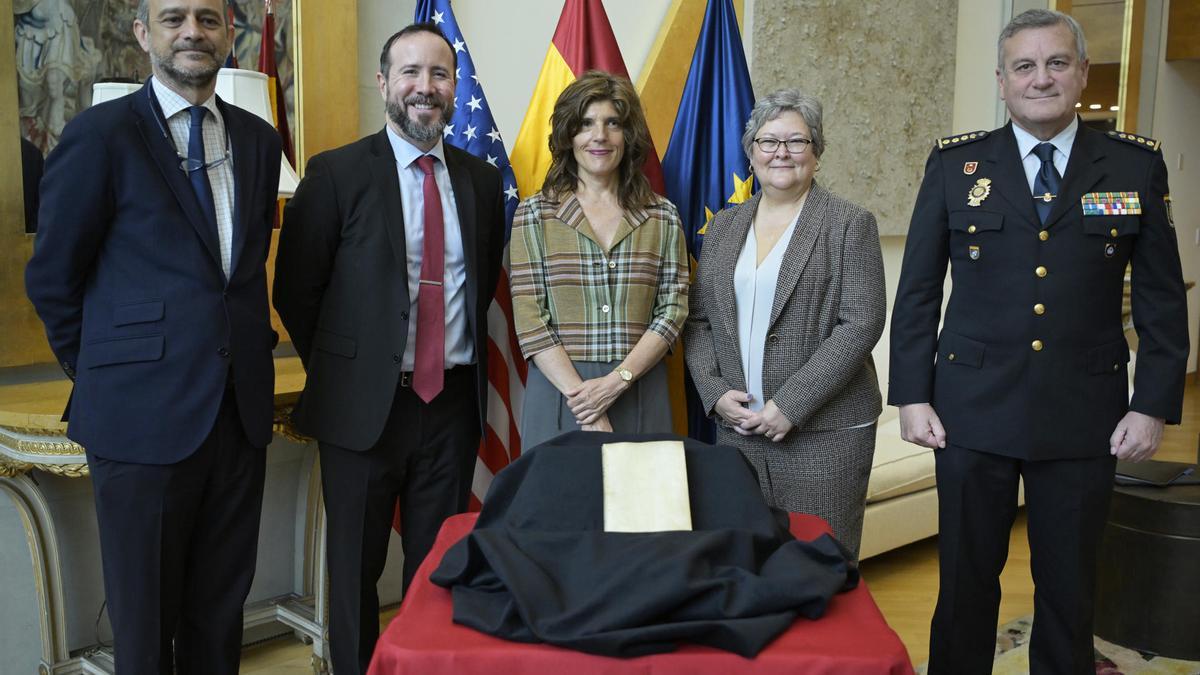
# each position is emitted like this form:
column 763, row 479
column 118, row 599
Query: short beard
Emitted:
column 397, row 112
column 195, row 78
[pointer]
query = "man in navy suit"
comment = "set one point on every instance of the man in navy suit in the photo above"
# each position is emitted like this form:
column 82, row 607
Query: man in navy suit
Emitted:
column 149, row 274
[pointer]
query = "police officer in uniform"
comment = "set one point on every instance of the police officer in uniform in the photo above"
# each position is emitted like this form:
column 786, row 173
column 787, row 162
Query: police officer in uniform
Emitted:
column 1039, row 221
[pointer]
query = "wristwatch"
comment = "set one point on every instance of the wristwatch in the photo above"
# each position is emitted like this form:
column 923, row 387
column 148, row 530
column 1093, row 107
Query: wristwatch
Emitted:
column 624, row 373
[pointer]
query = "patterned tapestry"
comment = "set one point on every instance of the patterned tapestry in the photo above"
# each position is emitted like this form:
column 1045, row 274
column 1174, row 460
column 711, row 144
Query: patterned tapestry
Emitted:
column 64, row 46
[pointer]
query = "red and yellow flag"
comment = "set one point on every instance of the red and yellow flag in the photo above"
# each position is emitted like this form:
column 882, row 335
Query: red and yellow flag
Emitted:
column 267, row 66
column 583, row 41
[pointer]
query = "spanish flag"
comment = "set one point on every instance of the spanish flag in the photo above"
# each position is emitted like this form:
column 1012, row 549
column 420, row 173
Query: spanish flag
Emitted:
column 267, row 66
column 583, row 41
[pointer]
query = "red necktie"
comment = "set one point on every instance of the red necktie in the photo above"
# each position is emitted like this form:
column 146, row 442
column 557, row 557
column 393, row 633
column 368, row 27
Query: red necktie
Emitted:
column 429, row 369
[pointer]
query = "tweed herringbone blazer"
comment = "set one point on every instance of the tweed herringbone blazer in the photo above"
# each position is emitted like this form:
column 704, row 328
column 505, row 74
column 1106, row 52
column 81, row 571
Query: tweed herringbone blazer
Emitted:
column 828, row 313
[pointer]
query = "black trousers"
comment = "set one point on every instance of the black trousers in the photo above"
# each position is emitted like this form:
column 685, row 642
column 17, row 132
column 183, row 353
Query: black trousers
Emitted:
column 1067, row 505
column 178, row 544
column 425, row 458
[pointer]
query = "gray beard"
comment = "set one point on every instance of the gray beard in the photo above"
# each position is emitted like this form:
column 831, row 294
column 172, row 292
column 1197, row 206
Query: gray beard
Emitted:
column 421, row 133
column 189, row 78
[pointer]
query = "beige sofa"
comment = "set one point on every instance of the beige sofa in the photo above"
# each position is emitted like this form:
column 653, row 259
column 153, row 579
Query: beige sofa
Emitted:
column 902, row 498
column 902, row 495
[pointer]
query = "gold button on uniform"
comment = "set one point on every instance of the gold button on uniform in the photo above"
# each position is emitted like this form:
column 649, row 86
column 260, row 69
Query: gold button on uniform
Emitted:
column 1043, row 235
column 1040, row 271
column 971, row 229
column 1037, row 345
column 950, row 356
column 1113, row 232
column 1116, row 367
column 1039, row 309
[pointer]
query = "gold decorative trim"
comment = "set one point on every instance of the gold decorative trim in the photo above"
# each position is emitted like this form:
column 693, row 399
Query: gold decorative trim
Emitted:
column 11, row 469
column 283, row 426
column 62, row 448
column 64, row 470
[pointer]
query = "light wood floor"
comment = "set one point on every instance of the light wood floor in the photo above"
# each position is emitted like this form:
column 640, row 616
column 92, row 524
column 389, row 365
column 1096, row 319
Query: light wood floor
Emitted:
column 903, row 582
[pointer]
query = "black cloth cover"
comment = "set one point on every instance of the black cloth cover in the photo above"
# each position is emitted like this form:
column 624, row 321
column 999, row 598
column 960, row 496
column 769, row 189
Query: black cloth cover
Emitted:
column 539, row 567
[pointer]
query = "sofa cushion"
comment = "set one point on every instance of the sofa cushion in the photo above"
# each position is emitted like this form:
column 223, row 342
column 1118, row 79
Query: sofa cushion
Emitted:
column 899, row 468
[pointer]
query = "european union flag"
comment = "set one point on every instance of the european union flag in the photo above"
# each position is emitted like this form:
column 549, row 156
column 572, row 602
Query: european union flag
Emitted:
column 472, row 128
column 705, row 166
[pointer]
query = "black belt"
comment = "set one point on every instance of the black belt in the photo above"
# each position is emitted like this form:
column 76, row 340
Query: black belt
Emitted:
column 406, row 376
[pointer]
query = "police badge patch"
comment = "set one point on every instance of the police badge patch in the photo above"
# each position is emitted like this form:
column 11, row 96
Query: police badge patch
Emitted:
column 979, row 192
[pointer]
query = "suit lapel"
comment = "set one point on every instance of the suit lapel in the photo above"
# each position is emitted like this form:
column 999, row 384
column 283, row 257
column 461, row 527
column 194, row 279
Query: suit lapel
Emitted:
column 464, row 199
column 385, row 179
column 1010, row 181
column 732, row 242
column 244, row 159
column 162, row 150
column 1084, row 169
column 799, row 248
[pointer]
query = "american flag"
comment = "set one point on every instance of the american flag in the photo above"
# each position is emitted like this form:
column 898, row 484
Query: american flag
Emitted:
column 473, row 129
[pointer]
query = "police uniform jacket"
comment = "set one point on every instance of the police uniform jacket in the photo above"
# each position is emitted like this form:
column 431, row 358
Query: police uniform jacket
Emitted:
column 1031, row 360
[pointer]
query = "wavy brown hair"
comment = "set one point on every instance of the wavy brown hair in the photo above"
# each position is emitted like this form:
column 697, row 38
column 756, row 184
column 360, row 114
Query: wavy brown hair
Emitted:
column 633, row 189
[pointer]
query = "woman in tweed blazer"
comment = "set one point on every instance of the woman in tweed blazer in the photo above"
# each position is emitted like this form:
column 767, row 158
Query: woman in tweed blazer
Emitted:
column 787, row 303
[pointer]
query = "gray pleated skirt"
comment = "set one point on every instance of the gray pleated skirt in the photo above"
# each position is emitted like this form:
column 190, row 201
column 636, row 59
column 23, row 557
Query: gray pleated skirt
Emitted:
column 644, row 408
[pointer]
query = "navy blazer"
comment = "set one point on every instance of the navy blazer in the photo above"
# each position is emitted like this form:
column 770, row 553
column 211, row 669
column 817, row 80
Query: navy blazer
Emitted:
column 1031, row 359
column 127, row 278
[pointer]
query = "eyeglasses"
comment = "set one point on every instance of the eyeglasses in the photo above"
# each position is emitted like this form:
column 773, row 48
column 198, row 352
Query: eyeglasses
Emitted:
column 190, row 165
column 795, row 146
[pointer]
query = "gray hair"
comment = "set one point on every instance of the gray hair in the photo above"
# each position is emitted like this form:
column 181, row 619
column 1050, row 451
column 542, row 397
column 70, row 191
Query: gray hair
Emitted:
column 143, row 11
column 782, row 101
column 1041, row 18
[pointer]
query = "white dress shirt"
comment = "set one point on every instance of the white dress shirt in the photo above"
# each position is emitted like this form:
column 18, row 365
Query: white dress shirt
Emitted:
column 754, row 294
column 220, row 177
column 460, row 345
column 1062, row 143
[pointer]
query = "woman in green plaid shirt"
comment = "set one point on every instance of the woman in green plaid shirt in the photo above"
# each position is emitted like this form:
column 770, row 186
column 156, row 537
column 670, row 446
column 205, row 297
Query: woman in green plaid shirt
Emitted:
column 599, row 272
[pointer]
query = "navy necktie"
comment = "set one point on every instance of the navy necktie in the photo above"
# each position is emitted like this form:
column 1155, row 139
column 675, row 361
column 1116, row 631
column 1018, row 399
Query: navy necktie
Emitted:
column 197, row 170
column 1046, row 182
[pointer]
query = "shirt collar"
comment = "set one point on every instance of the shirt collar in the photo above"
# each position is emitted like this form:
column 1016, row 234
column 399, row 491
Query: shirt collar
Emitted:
column 406, row 153
column 1061, row 142
column 172, row 103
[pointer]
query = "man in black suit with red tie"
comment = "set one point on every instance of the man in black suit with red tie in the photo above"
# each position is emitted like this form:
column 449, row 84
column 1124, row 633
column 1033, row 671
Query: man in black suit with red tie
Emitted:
column 1027, row 380
column 149, row 272
column 388, row 259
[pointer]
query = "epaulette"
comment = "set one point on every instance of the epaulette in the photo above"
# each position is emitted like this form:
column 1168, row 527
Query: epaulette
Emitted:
column 1140, row 141
column 961, row 139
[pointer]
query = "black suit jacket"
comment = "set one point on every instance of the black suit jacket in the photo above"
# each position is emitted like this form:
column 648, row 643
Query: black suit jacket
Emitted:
column 126, row 275
column 992, row 390
column 341, row 282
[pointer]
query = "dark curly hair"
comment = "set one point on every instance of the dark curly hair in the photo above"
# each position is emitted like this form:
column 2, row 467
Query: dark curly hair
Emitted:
column 594, row 86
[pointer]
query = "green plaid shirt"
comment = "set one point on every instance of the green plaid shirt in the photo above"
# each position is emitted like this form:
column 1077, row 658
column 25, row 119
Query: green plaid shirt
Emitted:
column 567, row 290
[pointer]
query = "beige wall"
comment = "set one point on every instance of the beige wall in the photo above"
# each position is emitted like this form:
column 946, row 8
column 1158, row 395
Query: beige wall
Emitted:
column 885, row 74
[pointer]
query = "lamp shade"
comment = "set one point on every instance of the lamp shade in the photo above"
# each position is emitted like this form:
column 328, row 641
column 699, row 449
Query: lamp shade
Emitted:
column 244, row 88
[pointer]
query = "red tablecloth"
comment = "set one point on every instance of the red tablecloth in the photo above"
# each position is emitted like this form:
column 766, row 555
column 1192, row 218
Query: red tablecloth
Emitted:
column 851, row 639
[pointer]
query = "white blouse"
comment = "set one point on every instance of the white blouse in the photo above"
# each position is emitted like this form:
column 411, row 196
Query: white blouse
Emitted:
column 754, row 293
